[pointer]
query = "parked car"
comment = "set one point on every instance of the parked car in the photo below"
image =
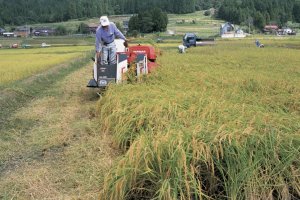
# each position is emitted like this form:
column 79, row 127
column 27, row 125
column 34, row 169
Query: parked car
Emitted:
column 191, row 39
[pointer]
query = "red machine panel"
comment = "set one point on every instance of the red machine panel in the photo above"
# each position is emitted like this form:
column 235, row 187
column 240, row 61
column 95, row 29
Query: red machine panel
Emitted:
column 141, row 49
column 149, row 50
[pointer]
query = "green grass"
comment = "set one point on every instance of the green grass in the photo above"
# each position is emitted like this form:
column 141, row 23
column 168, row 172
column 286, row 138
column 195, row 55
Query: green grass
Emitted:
column 219, row 122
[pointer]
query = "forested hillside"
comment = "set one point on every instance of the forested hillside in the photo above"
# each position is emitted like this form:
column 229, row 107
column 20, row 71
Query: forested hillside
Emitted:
column 260, row 12
column 17, row 12
column 27, row 11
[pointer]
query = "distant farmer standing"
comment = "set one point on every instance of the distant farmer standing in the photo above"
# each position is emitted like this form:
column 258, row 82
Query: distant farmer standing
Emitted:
column 105, row 45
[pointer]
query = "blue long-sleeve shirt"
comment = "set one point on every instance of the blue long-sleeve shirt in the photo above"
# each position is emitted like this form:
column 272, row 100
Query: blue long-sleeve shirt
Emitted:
column 103, row 36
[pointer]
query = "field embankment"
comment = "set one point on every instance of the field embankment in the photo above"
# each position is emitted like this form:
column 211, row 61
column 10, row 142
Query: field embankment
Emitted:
column 219, row 122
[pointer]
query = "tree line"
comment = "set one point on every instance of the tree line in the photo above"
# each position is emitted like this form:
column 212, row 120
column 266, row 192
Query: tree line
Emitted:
column 260, row 12
column 19, row 12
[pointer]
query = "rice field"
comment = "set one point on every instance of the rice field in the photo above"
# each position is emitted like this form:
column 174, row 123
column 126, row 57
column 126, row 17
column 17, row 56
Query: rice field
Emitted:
column 219, row 122
column 203, row 26
column 16, row 64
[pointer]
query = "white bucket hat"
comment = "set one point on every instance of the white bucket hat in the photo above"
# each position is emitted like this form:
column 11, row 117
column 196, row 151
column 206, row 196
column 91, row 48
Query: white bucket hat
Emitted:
column 104, row 21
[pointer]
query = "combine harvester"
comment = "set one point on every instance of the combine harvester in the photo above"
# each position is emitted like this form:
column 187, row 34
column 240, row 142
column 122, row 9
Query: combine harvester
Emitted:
column 142, row 56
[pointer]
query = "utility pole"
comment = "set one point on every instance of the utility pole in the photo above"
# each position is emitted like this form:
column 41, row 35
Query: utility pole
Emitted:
column 250, row 22
column 26, row 27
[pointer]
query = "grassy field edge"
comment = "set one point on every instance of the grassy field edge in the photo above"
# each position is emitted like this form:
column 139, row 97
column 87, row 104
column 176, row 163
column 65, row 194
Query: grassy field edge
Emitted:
column 17, row 94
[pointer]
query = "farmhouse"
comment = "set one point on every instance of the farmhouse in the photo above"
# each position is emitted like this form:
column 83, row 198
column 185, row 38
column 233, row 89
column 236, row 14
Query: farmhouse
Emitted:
column 93, row 28
column 22, row 31
column 271, row 29
column 229, row 30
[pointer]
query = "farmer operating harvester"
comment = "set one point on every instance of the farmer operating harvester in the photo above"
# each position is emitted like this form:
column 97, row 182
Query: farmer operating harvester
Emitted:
column 113, row 56
column 105, row 41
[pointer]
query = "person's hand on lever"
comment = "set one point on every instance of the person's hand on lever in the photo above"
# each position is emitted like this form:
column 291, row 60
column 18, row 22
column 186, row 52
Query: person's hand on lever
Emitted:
column 126, row 43
column 98, row 56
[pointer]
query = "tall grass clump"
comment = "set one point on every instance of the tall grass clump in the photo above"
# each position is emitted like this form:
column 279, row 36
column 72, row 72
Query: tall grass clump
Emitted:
column 217, row 122
column 183, row 166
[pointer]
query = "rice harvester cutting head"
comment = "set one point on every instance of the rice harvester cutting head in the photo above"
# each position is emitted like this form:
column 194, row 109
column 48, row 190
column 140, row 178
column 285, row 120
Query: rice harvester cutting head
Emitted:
column 142, row 56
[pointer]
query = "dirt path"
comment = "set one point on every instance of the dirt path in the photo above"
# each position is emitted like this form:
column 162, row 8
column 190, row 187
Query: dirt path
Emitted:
column 55, row 149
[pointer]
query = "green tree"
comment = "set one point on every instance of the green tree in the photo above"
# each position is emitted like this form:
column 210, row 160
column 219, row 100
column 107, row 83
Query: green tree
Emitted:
column 120, row 27
column 133, row 23
column 117, row 10
column 145, row 22
column 207, row 13
column 159, row 19
column 259, row 20
column 72, row 10
column 150, row 21
column 83, row 28
column 296, row 11
column 237, row 11
column 135, row 33
column 61, row 30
